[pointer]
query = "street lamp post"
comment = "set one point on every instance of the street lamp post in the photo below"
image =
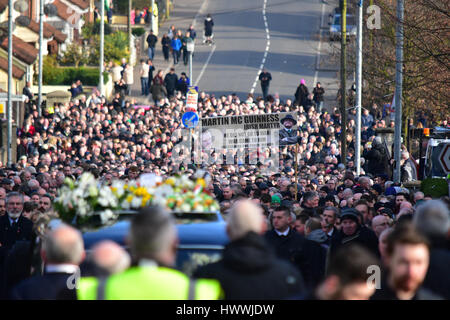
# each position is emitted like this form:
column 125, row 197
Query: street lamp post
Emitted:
column 358, row 88
column 41, row 35
column 343, row 82
column 10, row 80
column 398, row 90
column 190, row 48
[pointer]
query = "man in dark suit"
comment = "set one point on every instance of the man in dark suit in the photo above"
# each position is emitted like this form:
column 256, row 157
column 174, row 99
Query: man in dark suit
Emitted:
column 62, row 252
column 13, row 226
column 290, row 245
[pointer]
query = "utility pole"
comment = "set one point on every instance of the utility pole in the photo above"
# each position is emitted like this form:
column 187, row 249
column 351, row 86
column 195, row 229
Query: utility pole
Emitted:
column 358, row 88
column 343, row 85
column 129, row 24
column 10, row 82
column 152, row 16
column 41, row 36
column 102, row 44
column 398, row 90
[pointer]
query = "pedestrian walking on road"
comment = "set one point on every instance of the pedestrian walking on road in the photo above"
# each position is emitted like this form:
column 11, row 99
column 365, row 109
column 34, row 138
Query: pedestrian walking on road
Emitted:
column 318, row 92
column 143, row 72
column 158, row 89
column 151, row 68
column 172, row 32
column 165, row 42
column 209, row 24
column 301, row 94
column 265, row 78
column 183, row 84
column 176, row 47
column 186, row 39
column 192, row 32
column 128, row 77
column 170, row 82
column 152, row 40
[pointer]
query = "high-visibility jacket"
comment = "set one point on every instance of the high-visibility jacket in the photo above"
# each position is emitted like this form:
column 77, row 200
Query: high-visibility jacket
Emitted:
column 148, row 283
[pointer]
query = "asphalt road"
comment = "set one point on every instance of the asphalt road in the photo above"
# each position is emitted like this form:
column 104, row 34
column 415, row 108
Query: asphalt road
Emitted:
column 241, row 40
column 279, row 35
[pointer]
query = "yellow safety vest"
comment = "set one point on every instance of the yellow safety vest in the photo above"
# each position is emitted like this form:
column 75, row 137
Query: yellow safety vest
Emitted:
column 148, row 283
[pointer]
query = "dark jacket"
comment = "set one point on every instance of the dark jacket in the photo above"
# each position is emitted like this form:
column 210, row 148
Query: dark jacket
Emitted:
column 309, row 257
column 170, row 81
column 377, row 160
column 301, row 94
column 17, row 265
column 209, row 27
column 265, row 78
column 318, row 236
column 152, row 40
column 158, row 89
column 318, row 94
column 9, row 235
column 165, row 41
column 26, row 91
column 363, row 236
column 250, row 270
column 437, row 279
column 50, row 286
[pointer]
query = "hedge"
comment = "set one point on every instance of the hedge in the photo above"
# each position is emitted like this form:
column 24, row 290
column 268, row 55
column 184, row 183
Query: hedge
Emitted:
column 67, row 75
column 137, row 32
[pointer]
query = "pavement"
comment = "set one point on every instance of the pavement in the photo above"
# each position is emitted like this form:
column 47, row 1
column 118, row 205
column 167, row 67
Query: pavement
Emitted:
column 287, row 37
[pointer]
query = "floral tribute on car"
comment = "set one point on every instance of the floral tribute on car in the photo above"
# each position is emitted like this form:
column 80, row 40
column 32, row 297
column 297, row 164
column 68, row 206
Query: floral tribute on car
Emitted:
column 78, row 201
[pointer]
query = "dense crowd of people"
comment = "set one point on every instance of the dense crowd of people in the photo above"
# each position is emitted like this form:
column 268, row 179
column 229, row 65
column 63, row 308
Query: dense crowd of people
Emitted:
column 310, row 238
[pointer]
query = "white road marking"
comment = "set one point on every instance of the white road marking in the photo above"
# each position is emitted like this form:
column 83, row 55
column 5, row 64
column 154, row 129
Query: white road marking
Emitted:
column 266, row 25
column 205, row 65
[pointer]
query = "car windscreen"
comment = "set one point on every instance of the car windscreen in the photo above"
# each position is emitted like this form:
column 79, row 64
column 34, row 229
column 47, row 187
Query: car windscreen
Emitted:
column 189, row 258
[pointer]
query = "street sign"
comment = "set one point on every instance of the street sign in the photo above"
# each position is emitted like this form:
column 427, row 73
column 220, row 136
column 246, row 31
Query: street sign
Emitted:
column 192, row 99
column 444, row 158
column 190, row 119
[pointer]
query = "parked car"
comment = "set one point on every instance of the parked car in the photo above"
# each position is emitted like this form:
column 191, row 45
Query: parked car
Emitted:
column 335, row 25
column 202, row 237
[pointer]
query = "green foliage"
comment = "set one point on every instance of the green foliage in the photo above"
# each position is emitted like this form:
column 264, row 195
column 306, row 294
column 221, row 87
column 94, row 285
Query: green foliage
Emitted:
column 116, row 48
column 435, row 187
column 54, row 75
column 51, row 74
column 137, row 32
column 75, row 55
column 90, row 29
column 87, row 30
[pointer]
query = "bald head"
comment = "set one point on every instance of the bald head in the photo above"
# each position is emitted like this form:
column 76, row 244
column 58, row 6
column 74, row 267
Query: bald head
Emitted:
column 379, row 224
column 406, row 205
column 64, row 245
column 244, row 217
column 111, row 257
